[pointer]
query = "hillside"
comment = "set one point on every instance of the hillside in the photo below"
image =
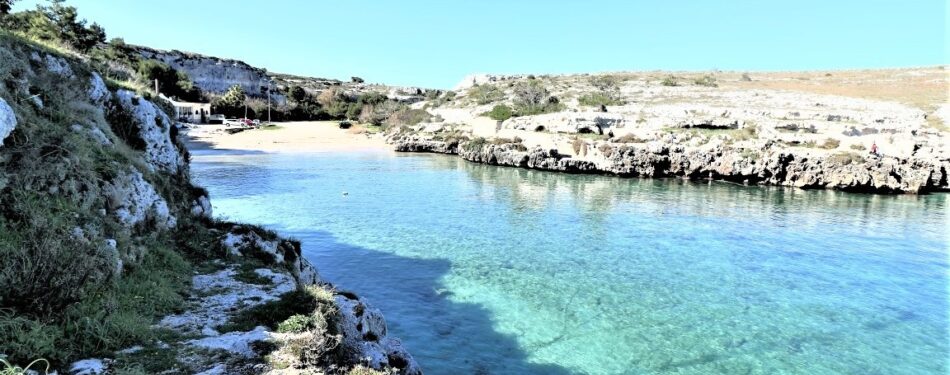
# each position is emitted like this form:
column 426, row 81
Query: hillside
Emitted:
column 803, row 129
column 113, row 262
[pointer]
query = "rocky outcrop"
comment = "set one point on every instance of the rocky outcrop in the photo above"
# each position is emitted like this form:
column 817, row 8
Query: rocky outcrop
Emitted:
column 771, row 166
column 365, row 338
column 154, row 129
column 201, row 207
column 215, row 75
column 98, row 92
column 133, row 201
column 7, row 120
column 246, row 241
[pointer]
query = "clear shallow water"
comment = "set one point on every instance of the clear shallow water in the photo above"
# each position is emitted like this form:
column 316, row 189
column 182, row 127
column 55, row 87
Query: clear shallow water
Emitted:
column 493, row 270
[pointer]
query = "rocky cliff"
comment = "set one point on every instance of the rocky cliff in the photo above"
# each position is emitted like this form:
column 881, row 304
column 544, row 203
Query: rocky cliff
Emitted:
column 216, row 75
column 666, row 158
column 860, row 131
column 113, row 262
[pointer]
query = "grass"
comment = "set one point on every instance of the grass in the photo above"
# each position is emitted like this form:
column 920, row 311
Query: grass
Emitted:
column 598, row 99
column 706, row 81
column 274, row 313
column 486, row 94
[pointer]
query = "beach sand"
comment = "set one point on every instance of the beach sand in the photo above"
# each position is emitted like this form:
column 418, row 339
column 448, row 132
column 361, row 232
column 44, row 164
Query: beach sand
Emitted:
column 310, row 136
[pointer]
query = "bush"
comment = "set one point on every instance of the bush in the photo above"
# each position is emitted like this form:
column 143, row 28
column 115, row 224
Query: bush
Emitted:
column 598, row 99
column 831, row 143
column 669, row 81
column 486, row 94
column 171, row 82
column 407, row 116
column 376, row 114
column 500, row 112
column 706, row 80
column 858, row 146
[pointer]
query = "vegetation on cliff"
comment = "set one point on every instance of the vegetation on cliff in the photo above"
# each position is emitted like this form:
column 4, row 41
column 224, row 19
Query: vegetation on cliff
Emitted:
column 103, row 237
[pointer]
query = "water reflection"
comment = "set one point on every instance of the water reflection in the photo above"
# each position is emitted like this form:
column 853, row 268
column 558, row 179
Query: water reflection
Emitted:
column 504, row 270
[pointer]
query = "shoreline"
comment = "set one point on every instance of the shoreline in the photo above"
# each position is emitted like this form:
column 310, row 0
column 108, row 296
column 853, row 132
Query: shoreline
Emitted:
column 882, row 175
column 288, row 137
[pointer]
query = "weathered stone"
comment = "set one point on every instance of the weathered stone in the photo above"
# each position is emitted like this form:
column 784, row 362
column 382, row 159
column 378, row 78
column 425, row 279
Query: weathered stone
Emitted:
column 134, row 201
column 98, row 92
column 365, row 337
column 154, row 127
column 7, row 120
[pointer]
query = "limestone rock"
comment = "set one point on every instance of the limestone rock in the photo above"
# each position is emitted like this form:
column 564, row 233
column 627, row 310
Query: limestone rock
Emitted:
column 98, row 92
column 134, row 201
column 93, row 366
column 59, row 66
column 201, row 207
column 7, row 120
column 154, row 127
column 365, row 337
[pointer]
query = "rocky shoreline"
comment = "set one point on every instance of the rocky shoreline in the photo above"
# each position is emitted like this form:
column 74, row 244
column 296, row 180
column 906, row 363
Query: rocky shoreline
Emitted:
column 770, row 166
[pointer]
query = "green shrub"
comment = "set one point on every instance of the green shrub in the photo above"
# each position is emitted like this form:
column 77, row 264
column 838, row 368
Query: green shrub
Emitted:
column 706, row 80
column 475, row 144
column 532, row 98
column 500, row 112
column 858, row 146
column 830, row 144
column 669, row 81
column 598, row 99
column 486, row 94
column 408, row 116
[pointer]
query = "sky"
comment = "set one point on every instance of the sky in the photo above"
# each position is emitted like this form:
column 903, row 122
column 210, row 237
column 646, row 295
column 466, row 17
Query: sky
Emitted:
column 435, row 44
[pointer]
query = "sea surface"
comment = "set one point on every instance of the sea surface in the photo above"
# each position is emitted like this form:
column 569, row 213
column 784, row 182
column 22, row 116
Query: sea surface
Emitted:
column 494, row 270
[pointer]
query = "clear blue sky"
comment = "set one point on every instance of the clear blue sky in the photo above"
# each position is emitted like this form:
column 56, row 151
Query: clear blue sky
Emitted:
column 435, row 43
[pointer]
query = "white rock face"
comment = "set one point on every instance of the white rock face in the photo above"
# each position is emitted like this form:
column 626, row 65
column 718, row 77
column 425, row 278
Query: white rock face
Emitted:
column 229, row 294
column 154, row 128
column 567, row 122
column 88, row 367
column 133, row 201
column 59, row 66
column 238, row 244
column 212, row 74
column 98, row 92
column 234, row 342
column 201, row 207
column 93, row 132
column 364, row 337
column 7, row 120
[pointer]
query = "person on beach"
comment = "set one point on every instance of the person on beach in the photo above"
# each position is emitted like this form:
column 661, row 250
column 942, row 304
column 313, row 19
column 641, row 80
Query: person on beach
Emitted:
column 874, row 148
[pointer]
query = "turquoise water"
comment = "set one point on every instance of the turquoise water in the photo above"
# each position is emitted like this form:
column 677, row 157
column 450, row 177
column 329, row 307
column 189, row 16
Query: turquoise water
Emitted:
column 487, row 270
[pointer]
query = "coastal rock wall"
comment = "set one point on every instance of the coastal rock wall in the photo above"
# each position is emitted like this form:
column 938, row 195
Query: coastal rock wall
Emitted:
column 655, row 159
column 216, row 75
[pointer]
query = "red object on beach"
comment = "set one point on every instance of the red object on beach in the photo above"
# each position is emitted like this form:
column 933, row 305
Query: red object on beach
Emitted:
column 874, row 148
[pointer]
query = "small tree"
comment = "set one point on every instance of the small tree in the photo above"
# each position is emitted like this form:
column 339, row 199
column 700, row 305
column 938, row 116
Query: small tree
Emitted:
column 297, row 93
column 5, row 6
column 357, row 80
column 500, row 112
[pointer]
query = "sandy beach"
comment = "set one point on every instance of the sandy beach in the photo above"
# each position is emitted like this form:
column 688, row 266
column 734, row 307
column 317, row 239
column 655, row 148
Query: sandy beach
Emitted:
column 310, row 136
